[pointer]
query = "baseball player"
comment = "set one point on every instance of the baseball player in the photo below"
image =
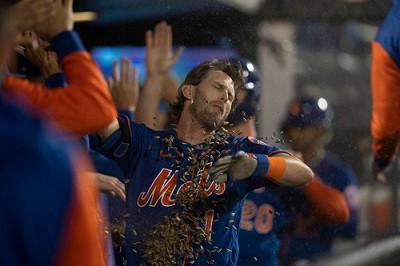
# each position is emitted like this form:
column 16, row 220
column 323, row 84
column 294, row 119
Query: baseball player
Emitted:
column 176, row 212
column 266, row 211
column 307, row 124
column 385, row 83
column 48, row 208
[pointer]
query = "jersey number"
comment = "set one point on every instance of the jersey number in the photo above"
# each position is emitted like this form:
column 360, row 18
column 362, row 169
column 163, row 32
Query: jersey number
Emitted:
column 261, row 219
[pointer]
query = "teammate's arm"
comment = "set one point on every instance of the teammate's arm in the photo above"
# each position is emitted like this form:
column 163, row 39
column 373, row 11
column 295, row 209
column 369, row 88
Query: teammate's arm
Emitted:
column 85, row 106
column 385, row 87
column 328, row 204
column 159, row 60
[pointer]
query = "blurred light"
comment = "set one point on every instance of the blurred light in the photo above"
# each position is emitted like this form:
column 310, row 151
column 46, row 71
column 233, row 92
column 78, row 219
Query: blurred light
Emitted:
column 323, row 104
column 84, row 16
column 347, row 62
column 250, row 67
column 250, row 85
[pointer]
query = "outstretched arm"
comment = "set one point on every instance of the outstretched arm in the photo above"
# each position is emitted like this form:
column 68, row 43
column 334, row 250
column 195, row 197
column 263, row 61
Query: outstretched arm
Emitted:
column 282, row 169
column 159, row 60
column 328, row 204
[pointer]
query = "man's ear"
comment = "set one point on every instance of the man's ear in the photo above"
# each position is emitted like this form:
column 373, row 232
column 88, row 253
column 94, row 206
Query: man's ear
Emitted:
column 188, row 92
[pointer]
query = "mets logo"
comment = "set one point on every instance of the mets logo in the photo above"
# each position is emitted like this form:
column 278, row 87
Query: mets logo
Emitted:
column 164, row 185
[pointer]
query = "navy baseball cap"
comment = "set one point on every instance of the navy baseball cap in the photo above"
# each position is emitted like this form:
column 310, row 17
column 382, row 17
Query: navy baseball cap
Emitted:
column 309, row 111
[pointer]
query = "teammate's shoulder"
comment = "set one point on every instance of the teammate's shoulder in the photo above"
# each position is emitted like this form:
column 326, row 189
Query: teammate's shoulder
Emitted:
column 338, row 166
column 29, row 144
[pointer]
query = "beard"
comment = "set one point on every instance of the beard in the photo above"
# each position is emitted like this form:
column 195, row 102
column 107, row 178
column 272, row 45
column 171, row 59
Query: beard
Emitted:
column 200, row 110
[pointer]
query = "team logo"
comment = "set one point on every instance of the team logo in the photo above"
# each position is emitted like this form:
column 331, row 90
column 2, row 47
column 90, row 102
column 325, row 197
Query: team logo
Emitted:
column 163, row 187
column 256, row 141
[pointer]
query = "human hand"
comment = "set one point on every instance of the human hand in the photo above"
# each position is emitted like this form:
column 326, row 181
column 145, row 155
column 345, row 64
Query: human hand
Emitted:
column 30, row 13
column 39, row 52
column 124, row 85
column 109, row 185
column 61, row 21
column 377, row 173
column 159, row 56
column 236, row 167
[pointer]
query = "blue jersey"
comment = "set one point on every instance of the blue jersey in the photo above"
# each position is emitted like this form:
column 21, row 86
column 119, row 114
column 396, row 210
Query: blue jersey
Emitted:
column 152, row 166
column 281, row 207
column 46, row 209
column 264, row 215
column 307, row 238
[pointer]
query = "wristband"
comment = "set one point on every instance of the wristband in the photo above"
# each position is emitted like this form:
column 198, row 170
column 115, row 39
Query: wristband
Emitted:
column 277, row 167
column 272, row 168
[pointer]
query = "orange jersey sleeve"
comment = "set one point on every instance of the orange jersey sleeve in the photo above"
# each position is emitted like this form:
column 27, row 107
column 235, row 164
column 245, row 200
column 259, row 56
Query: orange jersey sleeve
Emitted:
column 385, row 86
column 328, row 203
column 84, row 106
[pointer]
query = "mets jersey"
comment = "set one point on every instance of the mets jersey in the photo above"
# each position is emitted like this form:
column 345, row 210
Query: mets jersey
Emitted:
column 48, row 208
column 264, row 215
column 153, row 164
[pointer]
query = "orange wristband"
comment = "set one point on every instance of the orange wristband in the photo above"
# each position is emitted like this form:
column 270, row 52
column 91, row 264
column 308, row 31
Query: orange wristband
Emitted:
column 277, row 166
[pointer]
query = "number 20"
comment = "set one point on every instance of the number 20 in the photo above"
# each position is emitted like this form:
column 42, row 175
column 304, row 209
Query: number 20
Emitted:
column 264, row 217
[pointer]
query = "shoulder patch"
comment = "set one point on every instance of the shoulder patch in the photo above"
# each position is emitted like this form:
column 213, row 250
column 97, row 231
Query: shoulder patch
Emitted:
column 256, row 141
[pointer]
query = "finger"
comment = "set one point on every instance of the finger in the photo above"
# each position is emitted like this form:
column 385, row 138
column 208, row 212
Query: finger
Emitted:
column 381, row 177
column 168, row 37
column 158, row 35
column 115, row 72
column 121, row 193
column 110, row 193
column 119, row 188
column 133, row 78
column 110, row 84
column 221, row 179
column 68, row 4
column 125, row 70
column 164, row 32
column 20, row 50
column 149, row 39
column 223, row 168
column 224, row 160
column 177, row 54
column 239, row 155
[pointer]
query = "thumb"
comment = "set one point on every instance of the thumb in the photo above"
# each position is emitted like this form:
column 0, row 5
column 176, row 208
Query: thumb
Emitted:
column 178, row 54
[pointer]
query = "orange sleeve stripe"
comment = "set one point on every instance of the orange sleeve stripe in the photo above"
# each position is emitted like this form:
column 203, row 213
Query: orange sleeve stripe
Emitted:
column 385, row 87
column 81, row 241
column 277, row 167
column 84, row 107
column 328, row 203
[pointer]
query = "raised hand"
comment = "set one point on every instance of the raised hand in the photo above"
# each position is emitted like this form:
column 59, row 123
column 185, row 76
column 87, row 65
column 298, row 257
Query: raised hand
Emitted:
column 40, row 54
column 159, row 56
column 60, row 22
column 31, row 13
column 124, row 85
column 231, row 168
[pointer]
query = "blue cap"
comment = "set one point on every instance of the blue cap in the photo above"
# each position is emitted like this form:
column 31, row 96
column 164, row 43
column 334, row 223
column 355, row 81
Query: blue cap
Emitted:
column 251, row 104
column 309, row 111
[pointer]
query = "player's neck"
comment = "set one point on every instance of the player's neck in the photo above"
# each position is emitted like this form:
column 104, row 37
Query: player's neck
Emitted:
column 191, row 131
